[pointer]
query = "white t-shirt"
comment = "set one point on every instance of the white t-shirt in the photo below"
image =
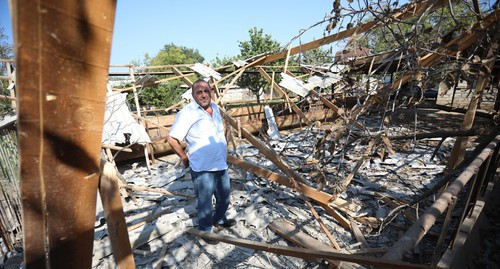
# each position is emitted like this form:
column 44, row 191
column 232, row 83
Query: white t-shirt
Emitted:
column 204, row 136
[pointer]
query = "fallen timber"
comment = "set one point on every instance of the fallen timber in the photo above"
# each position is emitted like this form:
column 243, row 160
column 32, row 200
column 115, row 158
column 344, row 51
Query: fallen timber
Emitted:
column 305, row 253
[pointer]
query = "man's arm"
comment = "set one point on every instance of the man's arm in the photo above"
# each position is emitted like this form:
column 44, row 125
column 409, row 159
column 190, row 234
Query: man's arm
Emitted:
column 177, row 147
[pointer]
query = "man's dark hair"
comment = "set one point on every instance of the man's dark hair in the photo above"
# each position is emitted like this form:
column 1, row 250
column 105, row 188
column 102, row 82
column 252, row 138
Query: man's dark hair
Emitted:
column 198, row 82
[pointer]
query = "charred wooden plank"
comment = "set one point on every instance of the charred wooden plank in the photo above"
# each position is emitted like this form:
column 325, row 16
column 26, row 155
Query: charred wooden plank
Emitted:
column 304, row 253
column 299, row 238
column 318, row 196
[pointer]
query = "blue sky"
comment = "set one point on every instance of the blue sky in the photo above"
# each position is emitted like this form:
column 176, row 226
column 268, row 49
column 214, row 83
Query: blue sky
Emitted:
column 212, row 27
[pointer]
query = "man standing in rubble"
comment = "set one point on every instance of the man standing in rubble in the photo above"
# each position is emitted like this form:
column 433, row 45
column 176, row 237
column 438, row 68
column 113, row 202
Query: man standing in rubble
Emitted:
column 200, row 125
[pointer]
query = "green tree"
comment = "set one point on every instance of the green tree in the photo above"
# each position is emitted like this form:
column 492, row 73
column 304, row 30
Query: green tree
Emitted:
column 6, row 49
column 258, row 44
column 427, row 32
column 317, row 56
column 219, row 62
column 6, row 53
column 165, row 94
column 172, row 54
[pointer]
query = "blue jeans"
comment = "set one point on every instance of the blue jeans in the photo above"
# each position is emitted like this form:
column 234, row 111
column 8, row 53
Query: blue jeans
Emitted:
column 207, row 184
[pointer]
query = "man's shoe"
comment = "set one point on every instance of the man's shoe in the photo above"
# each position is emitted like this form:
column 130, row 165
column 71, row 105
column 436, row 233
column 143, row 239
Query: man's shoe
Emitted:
column 229, row 223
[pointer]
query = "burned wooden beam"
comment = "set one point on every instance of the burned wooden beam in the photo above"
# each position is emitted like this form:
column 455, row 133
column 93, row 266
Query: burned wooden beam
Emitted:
column 412, row 9
column 318, row 196
column 182, row 76
column 155, row 190
column 443, row 134
column 299, row 238
column 304, row 253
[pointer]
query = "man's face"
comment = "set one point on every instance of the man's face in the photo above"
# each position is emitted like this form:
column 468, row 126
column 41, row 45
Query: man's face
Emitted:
column 202, row 94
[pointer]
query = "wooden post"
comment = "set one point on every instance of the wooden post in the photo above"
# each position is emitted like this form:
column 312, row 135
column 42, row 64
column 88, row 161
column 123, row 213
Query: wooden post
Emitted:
column 286, row 59
column 115, row 218
column 138, row 107
column 271, row 86
column 444, row 231
column 62, row 57
column 134, row 87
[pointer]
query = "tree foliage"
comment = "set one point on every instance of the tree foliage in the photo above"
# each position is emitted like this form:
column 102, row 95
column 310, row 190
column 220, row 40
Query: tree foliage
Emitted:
column 219, row 62
column 6, row 53
column 259, row 43
column 172, row 54
column 317, row 56
column 165, row 94
column 431, row 30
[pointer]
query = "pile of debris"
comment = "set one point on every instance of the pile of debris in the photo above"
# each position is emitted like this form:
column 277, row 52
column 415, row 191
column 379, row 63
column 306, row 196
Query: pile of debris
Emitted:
column 373, row 185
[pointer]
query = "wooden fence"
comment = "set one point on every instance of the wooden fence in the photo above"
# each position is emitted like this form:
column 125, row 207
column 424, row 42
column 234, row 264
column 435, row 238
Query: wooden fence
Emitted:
column 10, row 201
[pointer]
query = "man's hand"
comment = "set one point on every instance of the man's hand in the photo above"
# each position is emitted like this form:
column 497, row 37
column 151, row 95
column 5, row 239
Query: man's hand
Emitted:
column 185, row 161
column 177, row 147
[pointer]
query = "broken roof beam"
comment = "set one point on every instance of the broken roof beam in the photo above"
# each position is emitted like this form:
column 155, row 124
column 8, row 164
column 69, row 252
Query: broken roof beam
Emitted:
column 268, row 152
column 323, row 198
column 305, row 253
column 155, row 82
column 412, row 9
column 299, row 238
column 181, row 75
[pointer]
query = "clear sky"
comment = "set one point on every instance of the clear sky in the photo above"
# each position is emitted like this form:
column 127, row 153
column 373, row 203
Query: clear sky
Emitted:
column 212, row 27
